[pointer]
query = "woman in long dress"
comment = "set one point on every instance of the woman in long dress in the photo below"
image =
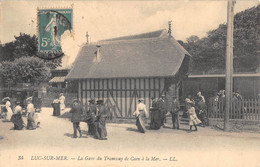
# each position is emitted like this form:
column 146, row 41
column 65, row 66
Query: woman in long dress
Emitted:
column 100, row 123
column 17, row 117
column 9, row 111
column 62, row 101
column 156, row 119
column 193, row 119
column 31, row 112
column 140, row 114
column 202, row 109
column 92, row 117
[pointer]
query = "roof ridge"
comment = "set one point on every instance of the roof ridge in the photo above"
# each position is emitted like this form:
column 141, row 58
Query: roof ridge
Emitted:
column 161, row 36
column 137, row 36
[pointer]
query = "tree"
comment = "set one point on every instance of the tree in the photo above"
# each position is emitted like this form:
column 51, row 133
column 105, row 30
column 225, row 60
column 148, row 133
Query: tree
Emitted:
column 25, row 45
column 209, row 53
column 25, row 69
column 7, row 52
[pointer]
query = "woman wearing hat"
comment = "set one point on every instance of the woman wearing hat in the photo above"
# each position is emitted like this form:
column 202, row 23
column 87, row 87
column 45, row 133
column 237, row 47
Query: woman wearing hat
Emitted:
column 30, row 111
column 9, row 111
column 140, row 114
column 62, row 101
column 92, row 115
column 193, row 120
column 100, row 124
column 17, row 117
column 156, row 119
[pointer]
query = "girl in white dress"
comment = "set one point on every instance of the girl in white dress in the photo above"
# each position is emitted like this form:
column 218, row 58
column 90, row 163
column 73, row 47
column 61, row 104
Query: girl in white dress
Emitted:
column 9, row 112
column 194, row 121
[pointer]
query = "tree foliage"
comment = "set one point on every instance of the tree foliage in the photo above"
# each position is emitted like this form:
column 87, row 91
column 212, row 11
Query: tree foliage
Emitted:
column 25, row 69
column 25, row 45
column 209, row 52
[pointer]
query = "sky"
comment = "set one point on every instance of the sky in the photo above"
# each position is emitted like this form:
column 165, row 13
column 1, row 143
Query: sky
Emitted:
column 109, row 19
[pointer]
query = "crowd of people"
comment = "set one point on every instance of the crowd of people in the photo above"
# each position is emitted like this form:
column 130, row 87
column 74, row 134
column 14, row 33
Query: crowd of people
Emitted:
column 13, row 112
column 95, row 117
column 95, row 114
column 160, row 110
column 220, row 96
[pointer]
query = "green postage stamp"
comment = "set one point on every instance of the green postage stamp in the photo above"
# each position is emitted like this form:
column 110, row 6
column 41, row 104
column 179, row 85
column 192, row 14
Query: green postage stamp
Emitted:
column 52, row 23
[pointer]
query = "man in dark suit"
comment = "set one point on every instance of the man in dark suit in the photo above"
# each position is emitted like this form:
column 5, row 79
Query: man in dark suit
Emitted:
column 76, row 110
column 162, row 108
column 175, row 113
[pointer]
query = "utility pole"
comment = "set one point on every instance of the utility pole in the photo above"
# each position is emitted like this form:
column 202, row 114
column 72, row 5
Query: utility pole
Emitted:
column 229, row 63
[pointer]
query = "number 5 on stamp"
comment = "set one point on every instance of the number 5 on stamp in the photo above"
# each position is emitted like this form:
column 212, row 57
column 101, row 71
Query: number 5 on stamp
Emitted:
column 52, row 23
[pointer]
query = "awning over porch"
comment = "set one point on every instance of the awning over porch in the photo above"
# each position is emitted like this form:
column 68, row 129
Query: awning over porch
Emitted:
column 57, row 80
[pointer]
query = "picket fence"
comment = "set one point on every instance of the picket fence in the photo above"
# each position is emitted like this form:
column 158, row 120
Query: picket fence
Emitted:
column 247, row 109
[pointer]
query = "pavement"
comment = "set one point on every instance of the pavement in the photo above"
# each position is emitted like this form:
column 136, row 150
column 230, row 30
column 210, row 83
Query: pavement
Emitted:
column 52, row 145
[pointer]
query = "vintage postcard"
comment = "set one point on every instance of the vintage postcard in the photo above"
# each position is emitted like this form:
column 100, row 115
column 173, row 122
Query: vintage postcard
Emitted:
column 129, row 83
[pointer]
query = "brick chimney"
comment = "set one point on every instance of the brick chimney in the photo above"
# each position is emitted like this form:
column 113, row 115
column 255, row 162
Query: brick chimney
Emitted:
column 98, row 54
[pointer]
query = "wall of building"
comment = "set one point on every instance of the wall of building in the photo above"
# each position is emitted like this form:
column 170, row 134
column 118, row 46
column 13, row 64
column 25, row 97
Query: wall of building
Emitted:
column 207, row 86
column 249, row 87
column 123, row 93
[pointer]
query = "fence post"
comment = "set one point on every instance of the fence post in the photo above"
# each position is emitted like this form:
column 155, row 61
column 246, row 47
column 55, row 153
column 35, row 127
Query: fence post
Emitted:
column 243, row 108
column 113, row 113
column 258, row 108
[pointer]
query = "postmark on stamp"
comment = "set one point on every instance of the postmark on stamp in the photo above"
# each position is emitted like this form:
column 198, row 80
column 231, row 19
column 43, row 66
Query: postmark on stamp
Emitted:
column 52, row 23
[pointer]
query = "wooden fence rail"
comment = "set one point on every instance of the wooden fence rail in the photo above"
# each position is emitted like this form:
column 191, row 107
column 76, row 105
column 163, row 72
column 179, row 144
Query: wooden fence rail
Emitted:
column 248, row 109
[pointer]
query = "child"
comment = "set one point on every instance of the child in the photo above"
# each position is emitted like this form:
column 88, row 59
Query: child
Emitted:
column 194, row 121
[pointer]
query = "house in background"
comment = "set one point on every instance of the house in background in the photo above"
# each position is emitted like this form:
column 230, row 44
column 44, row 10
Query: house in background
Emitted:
column 58, row 78
column 121, row 70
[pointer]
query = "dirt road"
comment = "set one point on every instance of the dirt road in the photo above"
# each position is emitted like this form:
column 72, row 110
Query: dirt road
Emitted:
column 52, row 145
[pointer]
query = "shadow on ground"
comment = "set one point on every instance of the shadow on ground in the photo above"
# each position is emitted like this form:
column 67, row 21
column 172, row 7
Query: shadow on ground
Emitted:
column 84, row 134
column 5, row 121
column 132, row 129
column 1, row 137
column 65, row 115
